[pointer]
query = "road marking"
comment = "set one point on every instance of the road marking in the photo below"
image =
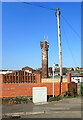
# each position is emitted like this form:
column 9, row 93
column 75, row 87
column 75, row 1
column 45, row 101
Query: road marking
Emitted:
column 21, row 114
column 64, row 112
column 60, row 108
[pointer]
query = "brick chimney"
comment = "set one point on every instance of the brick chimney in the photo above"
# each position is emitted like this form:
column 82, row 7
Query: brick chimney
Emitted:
column 44, row 46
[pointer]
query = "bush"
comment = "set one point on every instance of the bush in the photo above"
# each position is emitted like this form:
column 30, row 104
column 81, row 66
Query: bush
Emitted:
column 67, row 93
column 73, row 91
column 6, row 100
column 70, row 96
column 54, row 99
column 81, row 89
column 0, row 100
column 15, row 100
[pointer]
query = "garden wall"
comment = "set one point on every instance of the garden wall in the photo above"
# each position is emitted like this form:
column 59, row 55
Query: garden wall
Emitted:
column 25, row 89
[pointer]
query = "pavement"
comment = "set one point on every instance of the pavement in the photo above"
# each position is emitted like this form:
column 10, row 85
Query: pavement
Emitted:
column 66, row 108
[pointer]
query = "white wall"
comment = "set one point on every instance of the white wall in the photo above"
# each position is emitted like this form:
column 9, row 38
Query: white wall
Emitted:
column 76, row 79
column 4, row 72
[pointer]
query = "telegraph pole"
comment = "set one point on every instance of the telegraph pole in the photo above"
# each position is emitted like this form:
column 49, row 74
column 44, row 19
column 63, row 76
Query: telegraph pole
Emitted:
column 60, row 53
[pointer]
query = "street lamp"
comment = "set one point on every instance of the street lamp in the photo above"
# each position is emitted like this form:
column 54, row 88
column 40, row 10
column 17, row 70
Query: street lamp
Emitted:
column 53, row 77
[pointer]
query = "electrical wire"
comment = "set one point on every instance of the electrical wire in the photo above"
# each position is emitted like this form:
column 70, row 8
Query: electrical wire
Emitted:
column 29, row 3
column 69, row 47
column 71, row 26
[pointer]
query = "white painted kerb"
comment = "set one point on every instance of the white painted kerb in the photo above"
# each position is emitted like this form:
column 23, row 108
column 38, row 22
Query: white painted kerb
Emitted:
column 39, row 94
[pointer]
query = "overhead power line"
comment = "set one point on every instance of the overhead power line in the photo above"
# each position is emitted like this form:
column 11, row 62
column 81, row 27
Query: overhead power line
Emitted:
column 71, row 26
column 41, row 6
column 29, row 3
column 72, row 55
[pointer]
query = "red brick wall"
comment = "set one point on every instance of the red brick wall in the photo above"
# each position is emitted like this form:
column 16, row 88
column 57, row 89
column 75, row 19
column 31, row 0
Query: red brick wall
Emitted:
column 25, row 89
column 74, row 85
column 64, row 87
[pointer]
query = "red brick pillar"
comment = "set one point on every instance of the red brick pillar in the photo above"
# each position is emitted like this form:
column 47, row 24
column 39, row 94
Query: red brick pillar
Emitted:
column 24, row 77
column 60, row 88
column 66, row 87
column 18, row 77
column 69, row 78
column 32, row 78
column 1, row 83
column 6, row 79
column 9, row 77
column 38, row 78
column 2, row 78
column 12, row 77
column 15, row 77
column 27, row 77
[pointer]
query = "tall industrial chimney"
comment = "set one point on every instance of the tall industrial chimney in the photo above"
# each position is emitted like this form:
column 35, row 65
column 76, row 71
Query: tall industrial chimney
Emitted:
column 44, row 46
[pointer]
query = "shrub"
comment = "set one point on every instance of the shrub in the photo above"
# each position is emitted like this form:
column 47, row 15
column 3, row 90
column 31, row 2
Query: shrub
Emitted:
column 69, row 96
column 54, row 99
column 67, row 93
column 81, row 89
column 0, row 100
column 73, row 91
column 16, row 100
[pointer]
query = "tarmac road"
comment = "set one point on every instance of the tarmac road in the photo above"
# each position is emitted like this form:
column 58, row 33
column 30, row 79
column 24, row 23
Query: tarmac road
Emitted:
column 66, row 108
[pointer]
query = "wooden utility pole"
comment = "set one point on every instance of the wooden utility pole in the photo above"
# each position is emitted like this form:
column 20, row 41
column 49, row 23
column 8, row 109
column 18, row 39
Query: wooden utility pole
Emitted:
column 60, row 53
